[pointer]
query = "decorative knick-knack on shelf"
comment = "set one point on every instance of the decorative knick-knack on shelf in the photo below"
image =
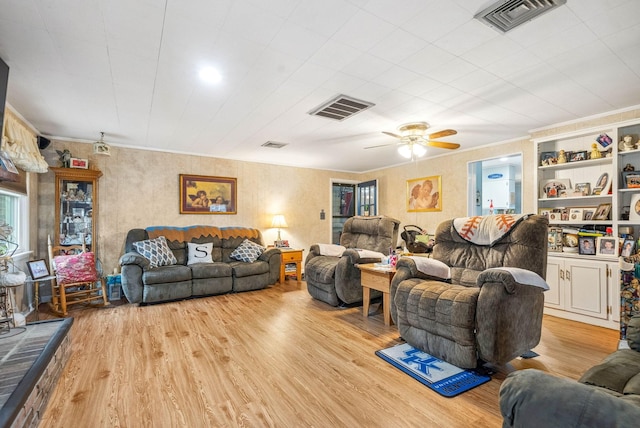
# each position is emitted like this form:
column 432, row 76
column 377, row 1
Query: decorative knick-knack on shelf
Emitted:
column 595, row 153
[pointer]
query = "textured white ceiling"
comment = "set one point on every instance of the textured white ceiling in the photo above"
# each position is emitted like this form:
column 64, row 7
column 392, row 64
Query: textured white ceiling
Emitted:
column 129, row 68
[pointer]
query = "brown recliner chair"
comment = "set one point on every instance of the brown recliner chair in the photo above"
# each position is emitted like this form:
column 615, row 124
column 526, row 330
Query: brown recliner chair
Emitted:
column 335, row 279
column 483, row 312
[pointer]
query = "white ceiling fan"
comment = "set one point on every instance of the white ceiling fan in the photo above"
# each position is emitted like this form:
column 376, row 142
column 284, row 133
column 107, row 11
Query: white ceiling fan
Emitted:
column 413, row 141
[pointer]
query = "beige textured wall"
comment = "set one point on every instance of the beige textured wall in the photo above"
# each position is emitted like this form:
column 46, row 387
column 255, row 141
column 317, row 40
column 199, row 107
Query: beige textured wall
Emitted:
column 453, row 169
column 140, row 188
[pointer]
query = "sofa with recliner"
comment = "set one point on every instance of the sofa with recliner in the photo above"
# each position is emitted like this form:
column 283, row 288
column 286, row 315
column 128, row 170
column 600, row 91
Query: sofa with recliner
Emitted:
column 607, row 395
column 164, row 263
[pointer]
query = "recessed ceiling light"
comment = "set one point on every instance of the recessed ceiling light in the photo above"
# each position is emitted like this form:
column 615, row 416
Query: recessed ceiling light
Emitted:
column 210, row 75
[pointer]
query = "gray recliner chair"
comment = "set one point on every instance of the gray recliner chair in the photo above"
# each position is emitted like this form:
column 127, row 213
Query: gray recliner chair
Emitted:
column 482, row 311
column 335, row 279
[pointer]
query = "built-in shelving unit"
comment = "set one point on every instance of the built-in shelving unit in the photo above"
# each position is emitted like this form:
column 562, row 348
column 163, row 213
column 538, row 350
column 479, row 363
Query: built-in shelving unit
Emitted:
column 585, row 283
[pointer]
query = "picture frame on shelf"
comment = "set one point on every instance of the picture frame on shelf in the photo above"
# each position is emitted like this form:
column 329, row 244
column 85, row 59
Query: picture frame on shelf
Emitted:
column 578, row 156
column 553, row 188
column 555, row 215
column 548, row 158
column 576, row 214
column 38, row 269
column 607, row 246
column 630, row 179
column 79, row 163
column 583, row 188
column 603, row 185
column 587, row 213
column 634, row 207
column 544, row 212
column 602, row 212
column 587, row 245
column 628, row 247
column 555, row 239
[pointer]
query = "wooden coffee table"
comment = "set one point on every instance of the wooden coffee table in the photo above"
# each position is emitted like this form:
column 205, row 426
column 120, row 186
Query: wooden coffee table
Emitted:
column 376, row 278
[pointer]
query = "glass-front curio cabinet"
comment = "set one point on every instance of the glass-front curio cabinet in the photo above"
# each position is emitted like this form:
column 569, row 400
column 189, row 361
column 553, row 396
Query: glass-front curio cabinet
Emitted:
column 76, row 207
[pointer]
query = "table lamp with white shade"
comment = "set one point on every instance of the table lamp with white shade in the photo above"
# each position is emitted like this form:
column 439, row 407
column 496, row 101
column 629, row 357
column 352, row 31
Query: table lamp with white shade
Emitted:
column 279, row 222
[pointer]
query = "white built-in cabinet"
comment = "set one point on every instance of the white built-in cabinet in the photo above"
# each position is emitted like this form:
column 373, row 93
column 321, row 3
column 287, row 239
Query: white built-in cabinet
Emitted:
column 586, row 288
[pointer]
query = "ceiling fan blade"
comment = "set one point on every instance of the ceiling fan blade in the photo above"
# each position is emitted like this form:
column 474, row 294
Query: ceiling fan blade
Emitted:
column 443, row 133
column 382, row 145
column 443, row 145
column 392, row 134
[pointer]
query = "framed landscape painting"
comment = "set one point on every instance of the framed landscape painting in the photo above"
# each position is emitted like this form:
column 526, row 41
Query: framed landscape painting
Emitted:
column 201, row 194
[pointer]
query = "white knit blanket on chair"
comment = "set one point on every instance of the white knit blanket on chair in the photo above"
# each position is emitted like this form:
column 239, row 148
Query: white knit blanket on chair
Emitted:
column 486, row 230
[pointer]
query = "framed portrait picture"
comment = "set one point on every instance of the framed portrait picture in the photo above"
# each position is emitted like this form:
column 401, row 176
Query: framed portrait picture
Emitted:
column 544, row 212
column 78, row 163
column 634, row 207
column 587, row 245
column 38, row 269
column 607, row 245
column 603, row 185
column 602, row 212
column 424, row 194
column 628, row 247
column 200, row 194
column 554, row 188
column 630, row 180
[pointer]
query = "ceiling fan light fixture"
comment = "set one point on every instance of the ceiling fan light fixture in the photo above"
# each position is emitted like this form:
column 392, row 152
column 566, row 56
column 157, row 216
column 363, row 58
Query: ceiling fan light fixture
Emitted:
column 419, row 150
column 405, row 151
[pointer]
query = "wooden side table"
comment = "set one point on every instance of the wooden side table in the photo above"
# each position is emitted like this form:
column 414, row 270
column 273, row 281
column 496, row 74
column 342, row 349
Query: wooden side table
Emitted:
column 291, row 255
column 376, row 278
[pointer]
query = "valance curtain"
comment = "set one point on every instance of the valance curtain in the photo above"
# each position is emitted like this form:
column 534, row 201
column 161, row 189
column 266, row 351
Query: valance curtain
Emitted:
column 22, row 147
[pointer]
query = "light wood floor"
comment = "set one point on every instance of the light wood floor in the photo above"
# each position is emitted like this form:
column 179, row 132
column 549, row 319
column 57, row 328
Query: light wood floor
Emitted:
column 272, row 358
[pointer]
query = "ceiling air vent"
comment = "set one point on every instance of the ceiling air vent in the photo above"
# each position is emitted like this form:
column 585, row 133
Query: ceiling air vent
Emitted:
column 274, row 145
column 340, row 108
column 505, row 15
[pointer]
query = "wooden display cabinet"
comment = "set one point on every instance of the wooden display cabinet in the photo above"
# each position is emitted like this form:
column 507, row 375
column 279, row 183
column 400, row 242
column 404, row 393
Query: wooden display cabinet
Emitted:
column 76, row 208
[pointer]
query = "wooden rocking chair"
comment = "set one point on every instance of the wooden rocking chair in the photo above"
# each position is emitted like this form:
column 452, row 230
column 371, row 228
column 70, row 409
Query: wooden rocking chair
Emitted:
column 77, row 280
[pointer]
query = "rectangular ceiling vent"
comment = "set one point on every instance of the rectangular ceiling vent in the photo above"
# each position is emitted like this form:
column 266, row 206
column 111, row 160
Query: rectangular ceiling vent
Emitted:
column 505, row 15
column 274, row 145
column 341, row 108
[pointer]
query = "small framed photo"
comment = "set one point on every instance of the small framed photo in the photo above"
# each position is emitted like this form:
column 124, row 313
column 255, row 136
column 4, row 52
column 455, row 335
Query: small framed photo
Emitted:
column 607, row 245
column 578, row 156
column 555, row 239
column 630, row 179
column 604, row 140
column 38, row 269
column 548, row 158
column 281, row 244
column 575, row 214
column 78, row 163
column 544, row 212
column 587, row 245
column 583, row 188
column 628, row 247
column 587, row 213
column 602, row 212
column 555, row 215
